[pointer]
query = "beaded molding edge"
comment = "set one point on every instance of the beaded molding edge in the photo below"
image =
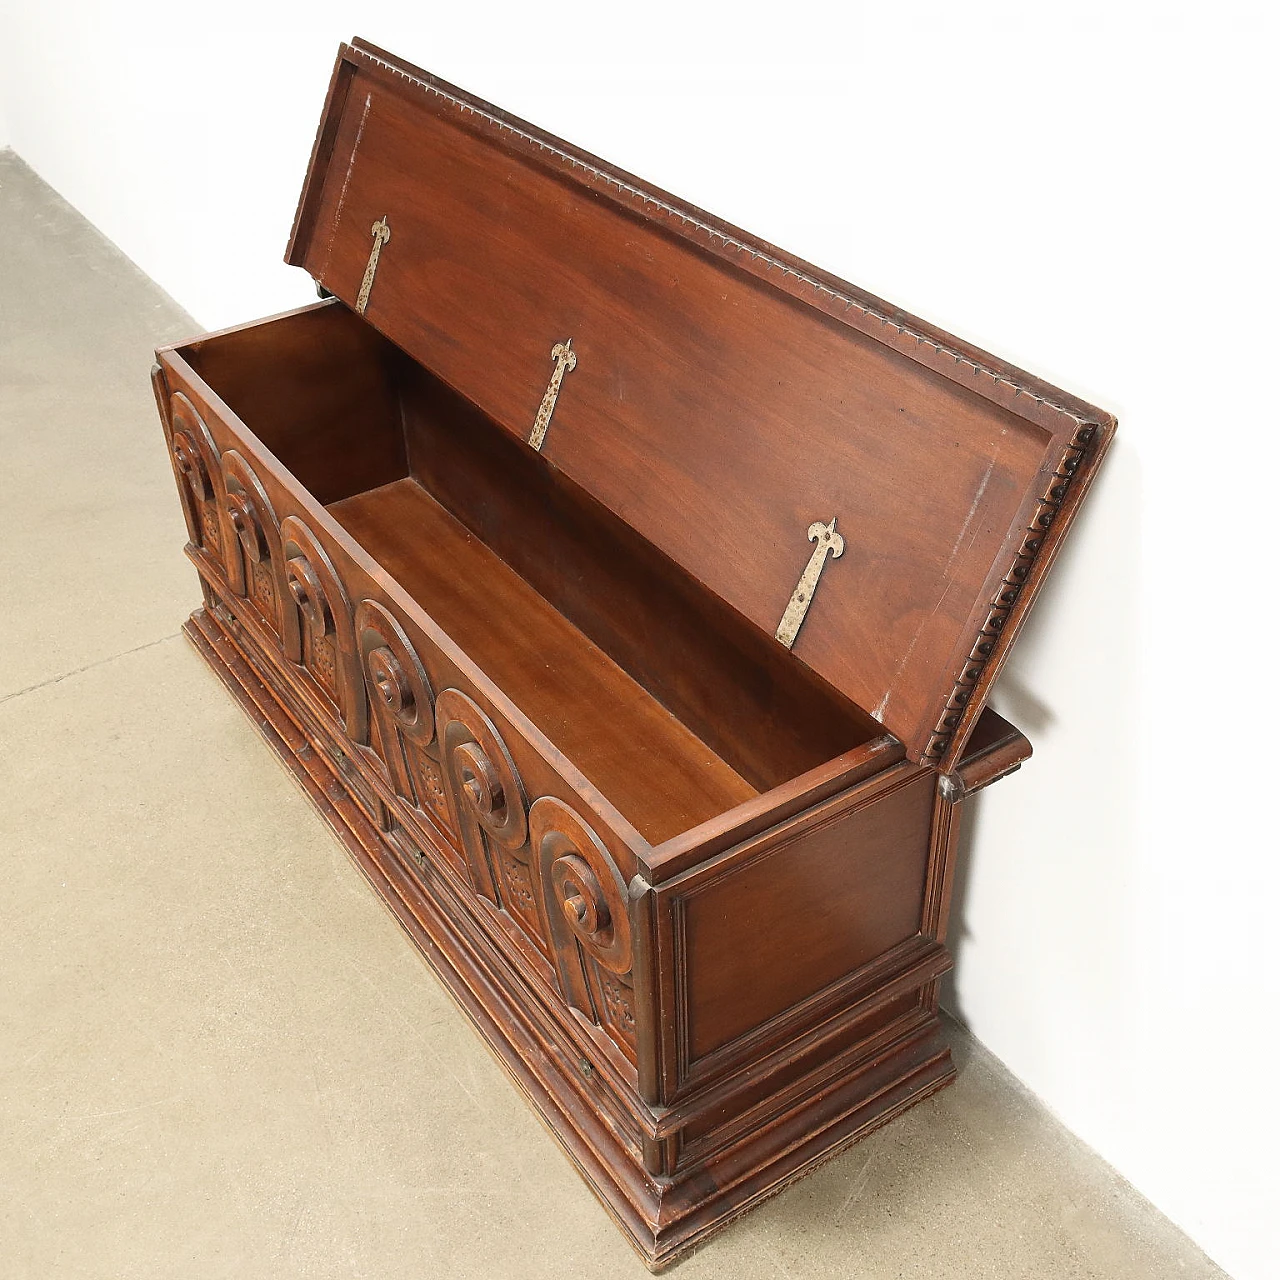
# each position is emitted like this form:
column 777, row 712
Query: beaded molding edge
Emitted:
column 1010, row 589
column 998, row 385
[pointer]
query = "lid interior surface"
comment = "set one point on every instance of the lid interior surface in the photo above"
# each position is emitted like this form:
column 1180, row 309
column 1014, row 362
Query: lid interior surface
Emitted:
column 725, row 400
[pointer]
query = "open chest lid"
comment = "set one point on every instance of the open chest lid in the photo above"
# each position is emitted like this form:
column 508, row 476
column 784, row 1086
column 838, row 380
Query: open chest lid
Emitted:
column 881, row 498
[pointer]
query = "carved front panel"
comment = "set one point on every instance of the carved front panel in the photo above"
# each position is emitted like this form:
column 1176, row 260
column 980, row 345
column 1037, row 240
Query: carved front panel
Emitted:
column 317, row 628
column 255, row 560
column 406, row 730
column 541, row 863
column 402, row 725
column 445, row 767
column 196, row 464
column 400, row 693
column 486, row 797
column 587, row 915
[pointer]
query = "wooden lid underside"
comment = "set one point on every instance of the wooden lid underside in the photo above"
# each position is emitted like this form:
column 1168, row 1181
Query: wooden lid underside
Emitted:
column 725, row 397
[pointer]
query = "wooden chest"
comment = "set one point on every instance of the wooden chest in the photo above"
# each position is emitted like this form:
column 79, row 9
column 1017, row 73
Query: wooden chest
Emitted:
column 626, row 594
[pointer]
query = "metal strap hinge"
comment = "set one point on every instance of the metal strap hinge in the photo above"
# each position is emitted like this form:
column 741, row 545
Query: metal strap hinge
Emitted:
column 830, row 543
column 566, row 359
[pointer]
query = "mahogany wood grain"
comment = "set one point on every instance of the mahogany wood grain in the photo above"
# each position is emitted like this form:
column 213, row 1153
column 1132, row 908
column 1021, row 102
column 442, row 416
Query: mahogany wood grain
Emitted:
column 724, row 398
column 663, row 1217
column 690, row 884
column 317, row 388
column 662, row 778
column 870, row 760
column 848, row 883
column 542, row 765
column 765, row 714
column 339, row 407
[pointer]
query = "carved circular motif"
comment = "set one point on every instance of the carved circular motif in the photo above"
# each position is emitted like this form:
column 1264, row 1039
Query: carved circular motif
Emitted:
column 244, row 521
column 581, row 882
column 191, row 465
column 581, row 898
column 482, row 774
column 480, row 783
column 394, row 672
column 308, row 594
column 389, row 681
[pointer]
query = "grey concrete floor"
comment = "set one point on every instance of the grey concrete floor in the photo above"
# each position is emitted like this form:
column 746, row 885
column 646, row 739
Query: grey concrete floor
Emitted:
column 219, row 1056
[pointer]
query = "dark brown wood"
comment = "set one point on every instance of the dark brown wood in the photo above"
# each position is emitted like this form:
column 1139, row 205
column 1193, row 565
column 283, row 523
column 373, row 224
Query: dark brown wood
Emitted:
column 848, row 881
column 684, row 645
column 725, row 396
column 662, row 778
column 334, row 419
column 995, row 750
column 690, row 884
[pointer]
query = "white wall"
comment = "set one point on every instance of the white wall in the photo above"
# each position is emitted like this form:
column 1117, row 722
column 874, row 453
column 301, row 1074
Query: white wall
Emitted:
column 1082, row 190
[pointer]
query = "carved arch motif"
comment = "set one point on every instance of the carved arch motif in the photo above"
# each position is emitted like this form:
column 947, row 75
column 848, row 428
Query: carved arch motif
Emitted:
column 586, row 912
column 486, row 802
column 255, row 560
column 402, row 702
column 195, row 460
column 316, row 626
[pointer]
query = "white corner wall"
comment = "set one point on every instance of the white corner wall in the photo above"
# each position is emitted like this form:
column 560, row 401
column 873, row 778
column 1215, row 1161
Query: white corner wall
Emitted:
column 1084, row 190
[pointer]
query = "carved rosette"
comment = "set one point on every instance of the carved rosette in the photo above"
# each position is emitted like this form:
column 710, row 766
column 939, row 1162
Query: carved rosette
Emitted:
column 586, row 914
column 1010, row 589
column 429, row 782
column 316, row 627
column 486, row 798
column 195, row 462
column 255, row 561
column 400, row 698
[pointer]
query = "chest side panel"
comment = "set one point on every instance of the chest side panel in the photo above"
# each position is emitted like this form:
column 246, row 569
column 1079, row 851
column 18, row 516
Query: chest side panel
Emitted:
column 783, row 931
